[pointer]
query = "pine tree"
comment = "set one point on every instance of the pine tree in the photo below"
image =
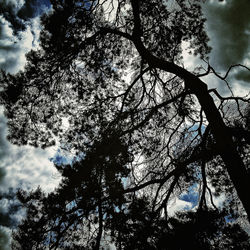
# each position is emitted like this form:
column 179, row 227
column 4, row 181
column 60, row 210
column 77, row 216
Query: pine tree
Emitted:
column 106, row 66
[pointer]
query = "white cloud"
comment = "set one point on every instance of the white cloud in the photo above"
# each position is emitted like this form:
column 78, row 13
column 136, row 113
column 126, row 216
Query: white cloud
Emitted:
column 190, row 61
column 177, row 205
column 13, row 48
column 26, row 165
column 30, row 167
column 6, row 30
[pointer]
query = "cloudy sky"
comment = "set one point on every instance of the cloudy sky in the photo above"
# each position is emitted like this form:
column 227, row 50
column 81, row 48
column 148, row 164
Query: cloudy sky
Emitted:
column 228, row 27
column 24, row 167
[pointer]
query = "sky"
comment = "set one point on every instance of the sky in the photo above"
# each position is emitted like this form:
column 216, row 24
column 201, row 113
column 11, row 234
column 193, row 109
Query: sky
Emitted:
column 25, row 166
column 228, row 27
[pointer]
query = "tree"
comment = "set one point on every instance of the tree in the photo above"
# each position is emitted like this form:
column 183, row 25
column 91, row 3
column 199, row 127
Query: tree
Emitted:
column 91, row 205
column 173, row 126
column 186, row 230
column 73, row 216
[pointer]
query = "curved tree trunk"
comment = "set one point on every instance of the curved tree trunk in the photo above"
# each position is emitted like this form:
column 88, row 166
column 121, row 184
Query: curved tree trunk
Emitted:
column 226, row 148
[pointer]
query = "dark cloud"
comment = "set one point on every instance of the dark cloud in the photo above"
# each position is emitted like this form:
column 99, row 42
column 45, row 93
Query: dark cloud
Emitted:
column 18, row 12
column 5, row 217
column 10, row 215
column 2, row 174
column 243, row 76
column 4, row 239
column 32, row 8
column 4, row 147
column 229, row 27
column 19, row 30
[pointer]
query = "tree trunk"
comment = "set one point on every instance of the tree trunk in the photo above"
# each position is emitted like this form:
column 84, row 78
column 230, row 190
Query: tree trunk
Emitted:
column 233, row 162
column 227, row 150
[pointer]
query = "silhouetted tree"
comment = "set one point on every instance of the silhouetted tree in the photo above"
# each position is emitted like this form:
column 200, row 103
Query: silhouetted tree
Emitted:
column 74, row 215
column 137, row 228
column 65, row 220
column 108, row 66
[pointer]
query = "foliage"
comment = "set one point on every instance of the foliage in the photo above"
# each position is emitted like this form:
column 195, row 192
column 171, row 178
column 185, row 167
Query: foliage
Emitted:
column 108, row 83
column 72, row 216
column 91, row 201
column 205, row 229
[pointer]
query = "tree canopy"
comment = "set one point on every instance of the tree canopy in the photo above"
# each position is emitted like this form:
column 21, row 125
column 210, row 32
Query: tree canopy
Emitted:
column 108, row 83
